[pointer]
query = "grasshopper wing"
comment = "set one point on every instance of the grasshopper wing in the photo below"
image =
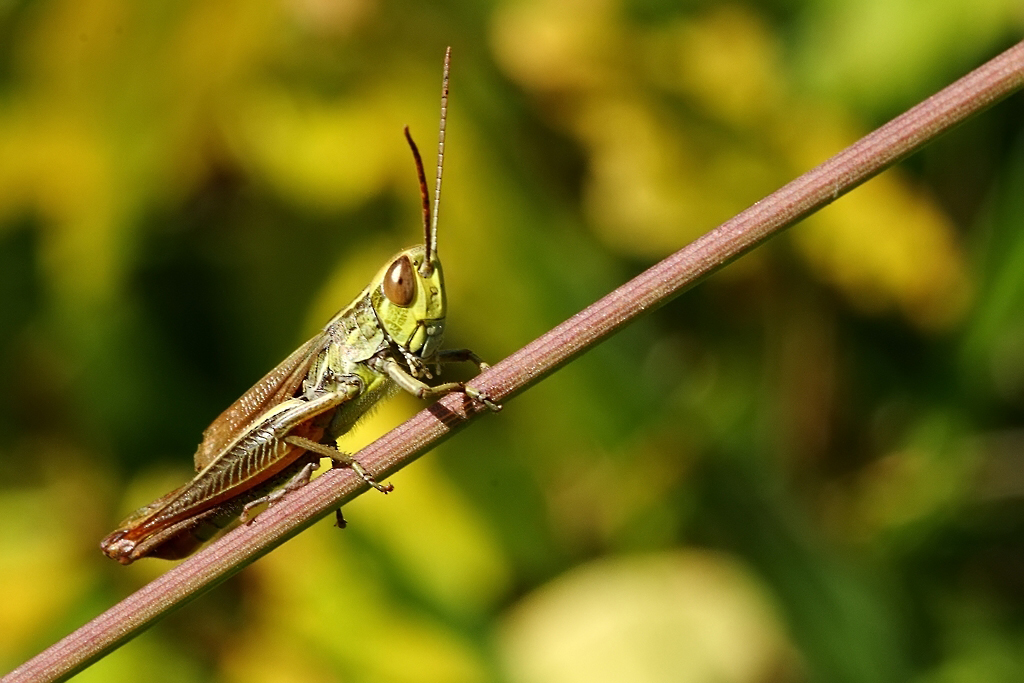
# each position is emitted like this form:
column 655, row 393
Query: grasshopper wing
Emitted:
column 277, row 386
column 256, row 459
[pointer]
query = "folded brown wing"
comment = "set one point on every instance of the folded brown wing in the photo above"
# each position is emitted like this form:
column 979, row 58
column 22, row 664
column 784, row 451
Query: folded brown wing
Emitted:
column 278, row 385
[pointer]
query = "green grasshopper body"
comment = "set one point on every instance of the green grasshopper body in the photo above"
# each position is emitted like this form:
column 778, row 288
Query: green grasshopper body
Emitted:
column 276, row 433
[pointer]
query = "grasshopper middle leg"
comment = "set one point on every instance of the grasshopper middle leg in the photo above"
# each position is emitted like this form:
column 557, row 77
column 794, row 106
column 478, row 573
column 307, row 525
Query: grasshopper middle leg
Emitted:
column 339, row 458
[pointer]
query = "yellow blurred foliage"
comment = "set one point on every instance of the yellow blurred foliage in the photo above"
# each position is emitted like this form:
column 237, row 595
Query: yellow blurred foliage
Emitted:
column 878, row 50
column 692, row 616
column 663, row 171
column 123, row 105
column 727, row 63
column 442, row 547
column 46, row 528
column 558, row 47
column 347, row 620
column 888, row 247
column 319, row 156
column 427, row 527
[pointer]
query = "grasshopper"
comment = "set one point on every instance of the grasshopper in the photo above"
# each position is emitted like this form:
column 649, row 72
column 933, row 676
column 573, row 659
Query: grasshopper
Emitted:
column 272, row 438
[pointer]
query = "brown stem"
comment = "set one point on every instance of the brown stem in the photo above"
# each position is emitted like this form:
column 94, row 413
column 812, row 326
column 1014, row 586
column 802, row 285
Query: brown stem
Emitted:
column 809, row 192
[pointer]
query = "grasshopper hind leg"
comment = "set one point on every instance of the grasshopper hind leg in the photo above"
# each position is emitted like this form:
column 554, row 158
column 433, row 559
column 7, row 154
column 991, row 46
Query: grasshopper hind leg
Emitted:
column 338, row 459
column 295, row 483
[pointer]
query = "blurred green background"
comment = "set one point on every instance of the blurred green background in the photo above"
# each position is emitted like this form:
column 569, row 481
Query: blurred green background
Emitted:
column 808, row 468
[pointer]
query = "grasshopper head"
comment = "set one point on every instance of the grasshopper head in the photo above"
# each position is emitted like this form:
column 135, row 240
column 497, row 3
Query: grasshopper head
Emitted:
column 410, row 301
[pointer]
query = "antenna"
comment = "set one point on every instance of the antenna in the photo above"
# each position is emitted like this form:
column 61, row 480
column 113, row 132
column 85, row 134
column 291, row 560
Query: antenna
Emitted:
column 423, row 194
column 428, row 266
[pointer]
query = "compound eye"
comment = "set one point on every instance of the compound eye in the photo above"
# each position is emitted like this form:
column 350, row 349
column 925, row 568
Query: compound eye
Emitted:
column 400, row 282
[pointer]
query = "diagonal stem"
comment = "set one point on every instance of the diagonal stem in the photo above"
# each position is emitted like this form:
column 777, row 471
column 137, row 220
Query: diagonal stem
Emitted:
column 816, row 188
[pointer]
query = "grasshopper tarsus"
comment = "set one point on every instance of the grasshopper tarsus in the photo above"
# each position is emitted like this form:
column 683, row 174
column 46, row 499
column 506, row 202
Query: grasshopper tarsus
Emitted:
column 245, row 517
column 482, row 398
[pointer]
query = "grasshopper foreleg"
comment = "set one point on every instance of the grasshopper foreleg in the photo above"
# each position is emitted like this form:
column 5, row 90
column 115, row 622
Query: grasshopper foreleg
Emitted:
column 460, row 356
column 448, row 356
column 422, row 390
column 338, row 458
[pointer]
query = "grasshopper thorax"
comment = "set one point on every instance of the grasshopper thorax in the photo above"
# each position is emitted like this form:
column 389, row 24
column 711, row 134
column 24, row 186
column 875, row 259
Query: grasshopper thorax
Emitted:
column 410, row 305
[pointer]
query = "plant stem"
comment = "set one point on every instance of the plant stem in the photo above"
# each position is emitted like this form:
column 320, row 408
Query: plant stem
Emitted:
column 298, row 510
